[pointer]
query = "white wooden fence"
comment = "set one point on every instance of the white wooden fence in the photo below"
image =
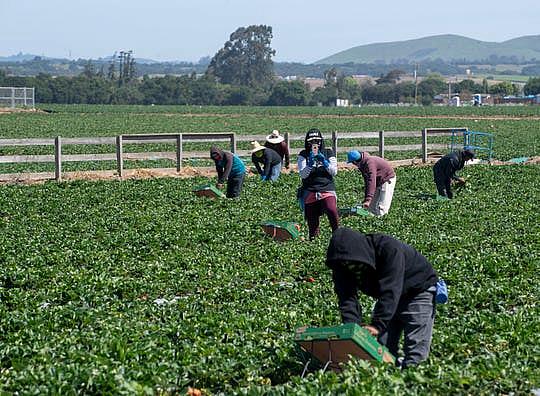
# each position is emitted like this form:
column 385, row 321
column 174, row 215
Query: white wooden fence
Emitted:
column 180, row 138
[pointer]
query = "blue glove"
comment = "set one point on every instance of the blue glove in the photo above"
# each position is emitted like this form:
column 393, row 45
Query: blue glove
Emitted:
column 263, row 177
column 311, row 160
column 326, row 163
column 320, row 157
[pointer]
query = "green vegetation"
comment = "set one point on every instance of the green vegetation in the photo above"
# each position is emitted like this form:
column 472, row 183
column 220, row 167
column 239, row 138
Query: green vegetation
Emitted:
column 447, row 47
column 514, row 128
column 139, row 287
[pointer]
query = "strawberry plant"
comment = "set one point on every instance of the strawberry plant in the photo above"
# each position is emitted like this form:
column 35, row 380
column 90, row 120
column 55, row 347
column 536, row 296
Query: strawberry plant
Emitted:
column 140, row 287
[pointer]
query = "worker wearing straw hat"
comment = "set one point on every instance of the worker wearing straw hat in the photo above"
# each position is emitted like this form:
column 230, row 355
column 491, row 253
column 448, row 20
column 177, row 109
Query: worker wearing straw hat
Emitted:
column 269, row 158
column 276, row 142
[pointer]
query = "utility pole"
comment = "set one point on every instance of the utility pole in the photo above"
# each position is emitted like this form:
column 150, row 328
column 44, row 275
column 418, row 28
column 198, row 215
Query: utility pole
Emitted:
column 415, row 83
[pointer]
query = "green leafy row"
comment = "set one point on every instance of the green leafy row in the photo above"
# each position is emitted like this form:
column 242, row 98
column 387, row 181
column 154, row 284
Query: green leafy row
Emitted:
column 140, row 287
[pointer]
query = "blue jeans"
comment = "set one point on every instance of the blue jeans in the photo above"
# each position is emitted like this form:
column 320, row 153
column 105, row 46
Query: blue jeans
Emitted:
column 414, row 318
column 234, row 185
column 275, row 172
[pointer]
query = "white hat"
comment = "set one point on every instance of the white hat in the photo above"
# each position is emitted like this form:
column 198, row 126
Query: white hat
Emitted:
column 255, row 146
column 274, row 137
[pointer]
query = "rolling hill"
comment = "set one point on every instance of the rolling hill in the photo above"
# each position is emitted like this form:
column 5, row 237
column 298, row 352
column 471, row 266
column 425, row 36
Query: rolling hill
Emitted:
column 447, row 47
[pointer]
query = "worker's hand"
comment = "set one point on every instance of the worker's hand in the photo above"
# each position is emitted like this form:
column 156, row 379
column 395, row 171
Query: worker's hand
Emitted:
column 366, row 204
column 219, row 185
column 460, row 181
column 320, row 157
column 372, row 330
column 310, row 160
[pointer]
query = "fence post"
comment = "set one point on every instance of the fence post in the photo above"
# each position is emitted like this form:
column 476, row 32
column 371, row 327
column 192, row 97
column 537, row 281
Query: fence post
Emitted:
column 12, row 97
column 233, row 142
column 335, row 142
column 424, row 145
column 381, row 144
column 287, row 141
column 119, row 155
column 179, row 152
column 58, row 158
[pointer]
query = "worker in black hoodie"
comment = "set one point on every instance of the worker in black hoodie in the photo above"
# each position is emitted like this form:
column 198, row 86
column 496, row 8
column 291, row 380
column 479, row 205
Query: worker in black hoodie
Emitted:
column 444, row 171
column 398, row 277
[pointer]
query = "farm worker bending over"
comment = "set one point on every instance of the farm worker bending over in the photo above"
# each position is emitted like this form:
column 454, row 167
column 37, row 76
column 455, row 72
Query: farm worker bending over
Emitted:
column 277, row 143
column 317, row 167
column 269, row 158
column 444, row 171
column 229, row 167
column 398, row 277
column 379, row 181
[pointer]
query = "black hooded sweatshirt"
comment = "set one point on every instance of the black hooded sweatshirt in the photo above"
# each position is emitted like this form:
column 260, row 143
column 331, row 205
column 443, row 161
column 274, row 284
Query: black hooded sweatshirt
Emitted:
column 319, row 179
column 447, row 166
column 381, row 267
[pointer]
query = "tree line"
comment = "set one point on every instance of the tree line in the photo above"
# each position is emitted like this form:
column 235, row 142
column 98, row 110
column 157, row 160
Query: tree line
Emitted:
column 240, row 73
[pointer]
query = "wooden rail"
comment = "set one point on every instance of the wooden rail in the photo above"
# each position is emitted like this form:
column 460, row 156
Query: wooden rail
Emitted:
column 180, row 138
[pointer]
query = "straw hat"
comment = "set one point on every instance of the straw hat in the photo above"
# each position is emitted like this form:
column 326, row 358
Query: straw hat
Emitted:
column 255, row 146
column 274, row 137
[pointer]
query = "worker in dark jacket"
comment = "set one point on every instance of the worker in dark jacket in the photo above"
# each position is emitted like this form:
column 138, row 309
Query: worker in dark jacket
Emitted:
column 269, row 158
column 398, row 277
column 317, row 167
column 229, row 167
column 379, row 181
column 277, row 143
column 444, row 171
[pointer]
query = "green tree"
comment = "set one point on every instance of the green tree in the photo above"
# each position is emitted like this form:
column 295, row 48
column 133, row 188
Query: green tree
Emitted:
column 532, row 87
column 289, row 93
column 503, row 88
column 246, row 59
column 349, row 89
column 324, row 95
column 391, row 77
column 432, row 85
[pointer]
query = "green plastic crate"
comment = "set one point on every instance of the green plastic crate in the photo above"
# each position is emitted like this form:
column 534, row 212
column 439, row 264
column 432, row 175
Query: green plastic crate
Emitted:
column 281, row 230
column 208, row 190
column 333, row 346
column 354, row 211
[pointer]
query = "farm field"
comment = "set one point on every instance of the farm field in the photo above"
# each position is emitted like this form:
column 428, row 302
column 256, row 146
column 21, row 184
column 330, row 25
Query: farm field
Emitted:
column 515, row 128
column 139, row 287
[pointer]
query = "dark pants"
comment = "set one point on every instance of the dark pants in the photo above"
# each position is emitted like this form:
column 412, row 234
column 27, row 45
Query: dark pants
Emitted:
column 234, row 185
column 314, row 210
column 443, row 183
column 414, row 318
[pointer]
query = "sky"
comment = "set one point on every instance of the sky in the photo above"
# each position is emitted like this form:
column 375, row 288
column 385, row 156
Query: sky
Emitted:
column 303, row 31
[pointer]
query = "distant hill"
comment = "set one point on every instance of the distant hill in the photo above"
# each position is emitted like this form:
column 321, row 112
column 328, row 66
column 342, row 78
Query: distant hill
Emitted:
column 20, row 57
column 447, row 47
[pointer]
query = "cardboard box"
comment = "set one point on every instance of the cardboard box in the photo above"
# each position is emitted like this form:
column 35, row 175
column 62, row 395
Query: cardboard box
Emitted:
column 281, row 230
column 208, row 190
column 338, row 343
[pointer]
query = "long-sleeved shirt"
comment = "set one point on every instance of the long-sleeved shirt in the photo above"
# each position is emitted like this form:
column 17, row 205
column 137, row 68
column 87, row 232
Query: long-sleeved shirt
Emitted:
column 230, row 165
column 447, row 166
column 381, row 267
column 280, row 148
column 316, row 177
column 376, row 171
column 269, row 159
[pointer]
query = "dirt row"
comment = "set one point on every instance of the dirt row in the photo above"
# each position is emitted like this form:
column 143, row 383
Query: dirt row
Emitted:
column 185, row 172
